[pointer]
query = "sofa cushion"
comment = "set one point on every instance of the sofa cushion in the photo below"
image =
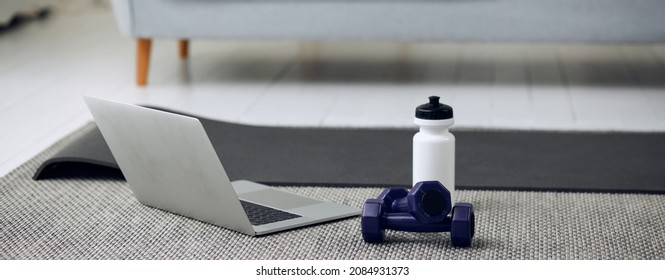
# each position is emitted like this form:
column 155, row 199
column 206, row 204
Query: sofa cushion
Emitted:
column 470, row 20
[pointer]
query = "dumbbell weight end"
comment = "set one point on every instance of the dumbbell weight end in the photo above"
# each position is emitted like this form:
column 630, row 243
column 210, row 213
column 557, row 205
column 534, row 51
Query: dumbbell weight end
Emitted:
column 463, row 225
column 370, row 222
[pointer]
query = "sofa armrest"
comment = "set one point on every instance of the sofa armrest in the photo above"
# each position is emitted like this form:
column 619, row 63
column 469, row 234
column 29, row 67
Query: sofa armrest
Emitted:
column 122, row 9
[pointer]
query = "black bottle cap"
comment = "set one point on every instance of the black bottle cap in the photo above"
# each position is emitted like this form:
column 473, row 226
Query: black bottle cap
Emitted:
column 434, row 110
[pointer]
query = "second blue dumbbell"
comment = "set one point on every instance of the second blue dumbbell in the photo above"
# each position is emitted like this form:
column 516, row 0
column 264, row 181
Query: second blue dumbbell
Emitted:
column 375, row 220
column 428, row 202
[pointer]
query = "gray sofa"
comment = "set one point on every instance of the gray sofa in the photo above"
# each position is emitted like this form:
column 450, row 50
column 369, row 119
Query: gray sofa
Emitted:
column 625, row 21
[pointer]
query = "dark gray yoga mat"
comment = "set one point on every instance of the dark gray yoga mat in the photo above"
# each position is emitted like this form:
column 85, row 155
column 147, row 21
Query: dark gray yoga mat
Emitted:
column 501, row 160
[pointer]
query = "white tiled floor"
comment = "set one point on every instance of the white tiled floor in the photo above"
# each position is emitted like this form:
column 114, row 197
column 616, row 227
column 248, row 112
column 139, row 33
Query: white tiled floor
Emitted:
column 47, row 65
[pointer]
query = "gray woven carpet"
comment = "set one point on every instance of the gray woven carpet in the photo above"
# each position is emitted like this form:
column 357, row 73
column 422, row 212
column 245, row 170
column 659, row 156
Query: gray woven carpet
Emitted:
column 89, row 218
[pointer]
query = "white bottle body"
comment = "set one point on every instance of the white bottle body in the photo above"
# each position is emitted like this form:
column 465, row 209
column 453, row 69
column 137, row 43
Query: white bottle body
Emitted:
column 434, row 153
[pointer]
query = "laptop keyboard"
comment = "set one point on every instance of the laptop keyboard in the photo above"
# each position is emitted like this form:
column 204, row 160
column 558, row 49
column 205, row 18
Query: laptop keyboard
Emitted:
column 261, row 215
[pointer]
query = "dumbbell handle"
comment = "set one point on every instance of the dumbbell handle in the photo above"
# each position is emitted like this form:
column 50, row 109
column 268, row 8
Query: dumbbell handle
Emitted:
column 406, row 222
column 400, row 205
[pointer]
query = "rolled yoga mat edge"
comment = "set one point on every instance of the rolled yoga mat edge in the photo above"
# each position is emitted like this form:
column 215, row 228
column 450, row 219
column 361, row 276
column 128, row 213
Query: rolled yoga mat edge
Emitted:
column 486, row 160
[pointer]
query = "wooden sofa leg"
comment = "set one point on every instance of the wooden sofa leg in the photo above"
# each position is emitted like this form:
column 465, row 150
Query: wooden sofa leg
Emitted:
column 183, row 47
column 143, row 46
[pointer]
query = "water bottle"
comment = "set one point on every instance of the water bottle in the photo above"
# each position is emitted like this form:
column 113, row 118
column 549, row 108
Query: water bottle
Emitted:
column 434, row 145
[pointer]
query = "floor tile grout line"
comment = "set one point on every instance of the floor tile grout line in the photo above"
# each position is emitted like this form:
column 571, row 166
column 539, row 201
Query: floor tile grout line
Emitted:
column 561, row 69
column 329, row 109
column 289, row 64
column 661, row 65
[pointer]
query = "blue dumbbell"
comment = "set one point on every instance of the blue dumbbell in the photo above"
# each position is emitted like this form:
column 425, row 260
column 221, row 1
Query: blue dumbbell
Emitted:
column 375, row 221
column 428, row 201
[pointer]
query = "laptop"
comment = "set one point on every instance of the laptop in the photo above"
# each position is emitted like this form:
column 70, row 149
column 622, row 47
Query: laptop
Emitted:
column 170, row 164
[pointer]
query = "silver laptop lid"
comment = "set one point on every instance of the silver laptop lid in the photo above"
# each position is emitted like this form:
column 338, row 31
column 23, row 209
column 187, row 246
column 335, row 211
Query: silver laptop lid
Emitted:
column 178, row 171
